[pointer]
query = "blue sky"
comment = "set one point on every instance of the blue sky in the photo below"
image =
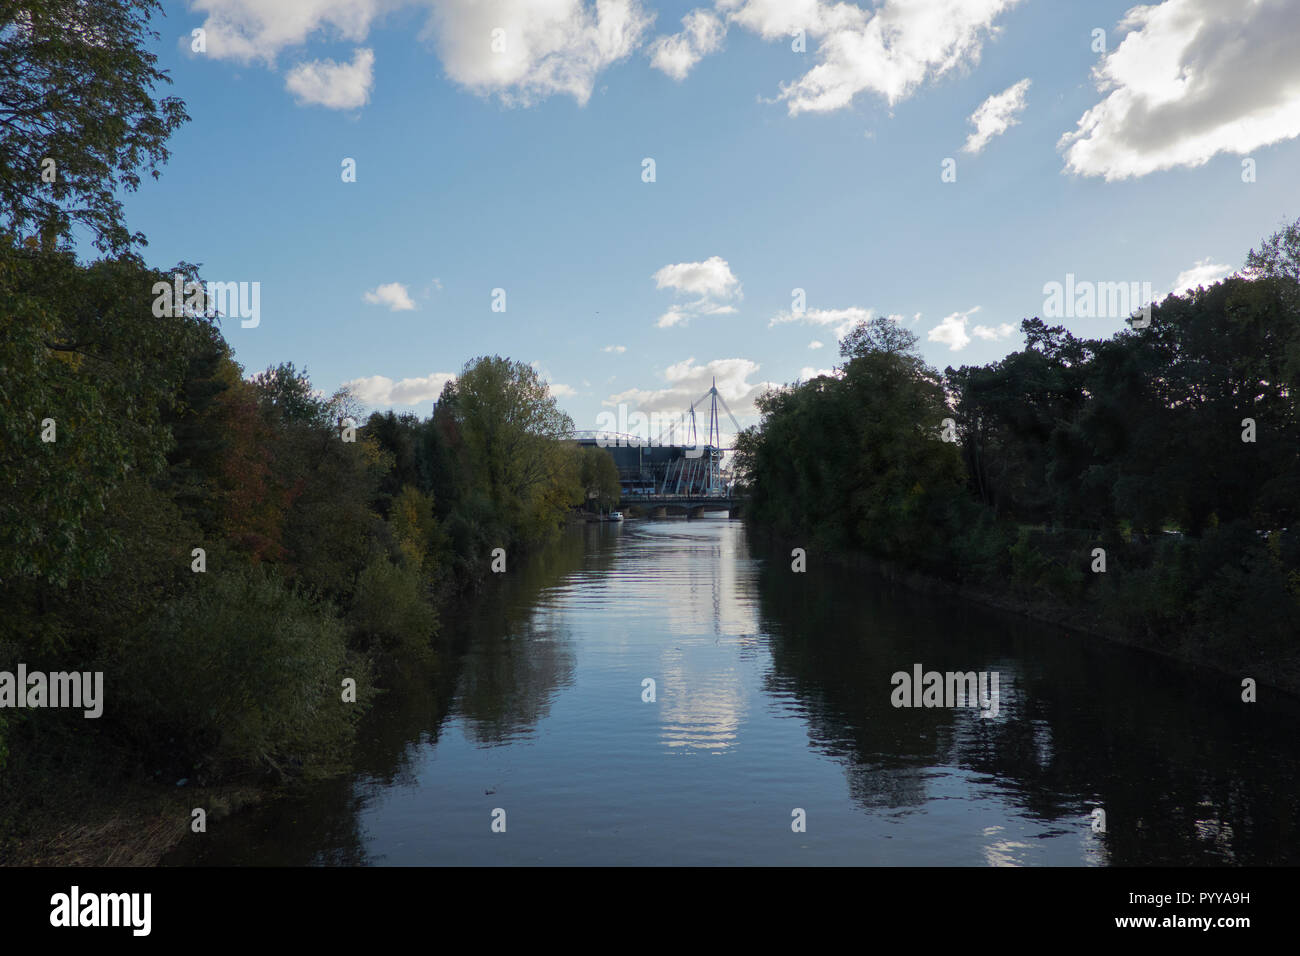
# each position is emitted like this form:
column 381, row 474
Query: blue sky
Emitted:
column 522, row 169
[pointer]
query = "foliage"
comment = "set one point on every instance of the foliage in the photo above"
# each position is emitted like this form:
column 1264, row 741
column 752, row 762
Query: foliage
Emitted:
column 389, row 610
column 1133, row 444
column 598, row 477
column 225, row 550
column 511, row 434
column 239, row 670
column 76, row 87
column 857, row 460
column 80, row 347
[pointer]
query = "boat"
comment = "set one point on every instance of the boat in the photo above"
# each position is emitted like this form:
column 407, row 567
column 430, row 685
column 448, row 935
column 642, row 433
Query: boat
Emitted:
column 615, row 516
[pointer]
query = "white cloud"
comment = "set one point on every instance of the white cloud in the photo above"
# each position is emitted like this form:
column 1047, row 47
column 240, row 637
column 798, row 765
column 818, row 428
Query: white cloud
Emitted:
column 556, row 46
column 951, row 331
column 1203, row 273
column 996, row 115
column 620, row 349
column 1192, row 78
column 678, row 53
column 889, row 50
column 381, row 390
column 551, row 46
column 841, row 320
column 993, row 333
column 257, row 30
column 814, row 344
column 808, row 373
column 338, row 86
column 711, row 280
column 711, row 277
column 673, row 316
column 391, row 294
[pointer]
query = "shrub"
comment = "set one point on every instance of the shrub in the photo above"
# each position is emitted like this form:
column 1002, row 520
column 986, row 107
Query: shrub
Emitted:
column 390, row 611
column 240, row 670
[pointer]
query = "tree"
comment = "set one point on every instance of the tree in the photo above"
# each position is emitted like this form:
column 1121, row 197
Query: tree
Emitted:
column 1277, row 256
column 880, row 334
column 76, row 87
column 513, row 435
column 598, row 476
column 1278, row 260
column 289, row 392
column 857, row 461
column 1010, row 414
column 81, row 351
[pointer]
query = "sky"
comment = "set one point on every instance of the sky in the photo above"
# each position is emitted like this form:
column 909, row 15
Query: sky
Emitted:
column 639, row 198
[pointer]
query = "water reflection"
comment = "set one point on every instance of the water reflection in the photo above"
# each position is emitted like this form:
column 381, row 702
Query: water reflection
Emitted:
column 1184, row 772
column 702, row 709
column 773, row 692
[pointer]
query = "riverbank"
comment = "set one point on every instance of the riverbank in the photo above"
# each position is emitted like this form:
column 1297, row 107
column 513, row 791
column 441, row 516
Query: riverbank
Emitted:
column 777, row 686
column 136, row 826
column 1077, row 618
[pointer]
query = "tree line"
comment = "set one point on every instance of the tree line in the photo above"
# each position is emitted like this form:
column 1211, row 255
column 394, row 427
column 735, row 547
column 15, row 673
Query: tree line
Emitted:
column 1148, row 481
column 243, row 557
column 230, row 550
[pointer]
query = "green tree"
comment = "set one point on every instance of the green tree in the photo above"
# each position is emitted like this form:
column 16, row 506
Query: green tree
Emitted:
column 79, row 347
column 1278, row 256
column 1009, row 414
column 514, row 439
column 289, row 392
column 1278, row 261
column 598, row 476
column 76, row 87
column 856, row 460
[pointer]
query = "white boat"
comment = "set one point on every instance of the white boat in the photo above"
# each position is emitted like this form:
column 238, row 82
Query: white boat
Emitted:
column 615, row 516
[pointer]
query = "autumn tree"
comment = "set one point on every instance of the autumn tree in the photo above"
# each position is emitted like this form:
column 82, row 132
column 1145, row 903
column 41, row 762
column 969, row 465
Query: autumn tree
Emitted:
column 514, row 436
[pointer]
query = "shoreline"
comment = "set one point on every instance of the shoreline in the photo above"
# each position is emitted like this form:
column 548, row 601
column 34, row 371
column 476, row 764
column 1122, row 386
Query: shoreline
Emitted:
column 1078, row 620
column 136, row 826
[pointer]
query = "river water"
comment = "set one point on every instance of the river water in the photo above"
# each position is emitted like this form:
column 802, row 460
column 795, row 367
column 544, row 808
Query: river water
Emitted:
column 772, row 695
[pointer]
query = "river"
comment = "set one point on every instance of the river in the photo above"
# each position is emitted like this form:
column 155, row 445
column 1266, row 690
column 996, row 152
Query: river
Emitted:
column 773, row 695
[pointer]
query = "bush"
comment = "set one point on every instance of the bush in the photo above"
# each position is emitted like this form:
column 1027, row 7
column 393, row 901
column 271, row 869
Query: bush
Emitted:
column 1028, row 564
column 1244, row 610
column 239, row 671
column 390, row 610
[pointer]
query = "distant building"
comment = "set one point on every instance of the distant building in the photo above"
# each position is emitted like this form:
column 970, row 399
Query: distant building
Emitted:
column 645, row 469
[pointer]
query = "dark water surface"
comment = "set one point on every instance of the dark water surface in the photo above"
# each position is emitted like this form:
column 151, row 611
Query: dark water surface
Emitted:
column 773, row 692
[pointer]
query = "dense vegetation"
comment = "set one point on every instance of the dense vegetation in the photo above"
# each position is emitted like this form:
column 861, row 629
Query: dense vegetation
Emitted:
column 230, row 551
column 128, row 441
column 1135, row 444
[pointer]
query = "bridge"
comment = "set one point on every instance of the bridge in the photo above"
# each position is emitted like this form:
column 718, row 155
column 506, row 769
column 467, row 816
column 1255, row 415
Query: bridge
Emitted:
column 662, row 477
column 693, row 506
